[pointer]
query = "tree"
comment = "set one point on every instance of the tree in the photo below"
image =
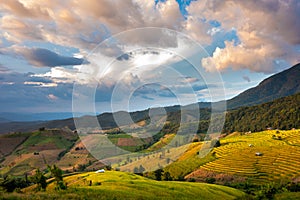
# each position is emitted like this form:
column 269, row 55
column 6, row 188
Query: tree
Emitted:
column 158, row 173
column 167, row 176
column 57, row 175
column 40, row 180
column 215, row 143
column 136, row 170
column 141, row 169
column 11, row 183
column 168, row 160
column 81, row 167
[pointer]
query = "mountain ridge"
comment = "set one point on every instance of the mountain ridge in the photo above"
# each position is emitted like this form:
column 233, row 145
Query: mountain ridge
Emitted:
column 279, row 85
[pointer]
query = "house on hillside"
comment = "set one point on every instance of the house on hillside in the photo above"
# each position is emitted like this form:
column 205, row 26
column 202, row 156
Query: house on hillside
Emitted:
column 100, row 171
column 258, row 154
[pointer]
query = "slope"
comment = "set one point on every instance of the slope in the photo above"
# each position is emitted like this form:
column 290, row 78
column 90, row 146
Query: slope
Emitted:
column 121, row 185
column 262, row 157
column 279, row 85
column 24, row 152
column 283, row 113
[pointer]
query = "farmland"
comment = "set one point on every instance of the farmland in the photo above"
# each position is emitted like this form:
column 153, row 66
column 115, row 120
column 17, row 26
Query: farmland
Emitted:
column 234, row 161
column 278, row 160
column 122, row 185
column 28, row 151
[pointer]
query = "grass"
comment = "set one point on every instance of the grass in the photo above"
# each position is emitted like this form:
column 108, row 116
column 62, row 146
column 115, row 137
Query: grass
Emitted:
column 122, row 185
column 288, row 196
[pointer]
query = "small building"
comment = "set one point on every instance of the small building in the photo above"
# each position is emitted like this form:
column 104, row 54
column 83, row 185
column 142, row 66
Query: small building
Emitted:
column 258, row 154
column 250, row 145
column 100, row 171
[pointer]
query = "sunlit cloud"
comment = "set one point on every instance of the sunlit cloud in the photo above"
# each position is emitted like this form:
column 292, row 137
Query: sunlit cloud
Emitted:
column 259, row 36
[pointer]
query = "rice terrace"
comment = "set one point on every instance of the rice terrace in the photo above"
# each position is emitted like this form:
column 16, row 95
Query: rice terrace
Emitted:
column 150, row 99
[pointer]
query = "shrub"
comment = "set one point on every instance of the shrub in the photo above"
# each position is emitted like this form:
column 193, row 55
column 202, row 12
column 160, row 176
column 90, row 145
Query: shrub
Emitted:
column 40, row 180
column 210, row 180
column 9, row 184
column 57, row 175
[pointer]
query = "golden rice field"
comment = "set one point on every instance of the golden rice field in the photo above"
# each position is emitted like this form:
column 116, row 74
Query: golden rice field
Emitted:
column 280, row 159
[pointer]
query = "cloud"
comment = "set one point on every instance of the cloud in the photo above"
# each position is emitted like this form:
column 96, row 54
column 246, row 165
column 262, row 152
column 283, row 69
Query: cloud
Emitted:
column 19, row 9
column 246, row 78
column 52, row 97
column 241, row 57
column 189, row 79
column 21, row 97
column 267, row 31
column 44, row 57
column 3, row 69
column 17, row 30
column 60, row 75
column 254, row 35
column 97, row 20
column 198, row 29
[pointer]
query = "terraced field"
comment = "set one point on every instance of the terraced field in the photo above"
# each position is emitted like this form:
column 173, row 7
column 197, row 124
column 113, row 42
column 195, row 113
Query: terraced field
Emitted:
column 279, row 158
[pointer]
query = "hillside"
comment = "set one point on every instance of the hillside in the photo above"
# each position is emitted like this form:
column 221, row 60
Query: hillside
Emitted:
column 69, row 153
column 236, row 160
column 279, row 85
column 121, row 185
column 24, row 152
column 234, row 163
column 283, row 113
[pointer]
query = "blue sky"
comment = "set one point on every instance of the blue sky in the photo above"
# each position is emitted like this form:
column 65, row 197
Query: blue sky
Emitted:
column 46, row 48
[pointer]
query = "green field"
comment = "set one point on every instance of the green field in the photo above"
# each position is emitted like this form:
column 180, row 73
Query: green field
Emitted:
column 287, row 196
column 122, row 185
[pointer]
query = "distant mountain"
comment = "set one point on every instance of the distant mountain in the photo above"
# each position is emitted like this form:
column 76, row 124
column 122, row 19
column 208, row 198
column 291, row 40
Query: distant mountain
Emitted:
column 283, row 84
column 27, row 117
column 106, row 120
column 279, row 85
column 4, row 120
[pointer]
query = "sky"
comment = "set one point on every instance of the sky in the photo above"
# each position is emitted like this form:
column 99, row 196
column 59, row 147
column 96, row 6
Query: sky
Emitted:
column 107, row 55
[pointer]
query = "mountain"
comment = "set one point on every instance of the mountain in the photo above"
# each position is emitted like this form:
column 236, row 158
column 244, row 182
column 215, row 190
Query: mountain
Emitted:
column 279, row 85
column 27, row 117
column 282, row 113
column 4, row 120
